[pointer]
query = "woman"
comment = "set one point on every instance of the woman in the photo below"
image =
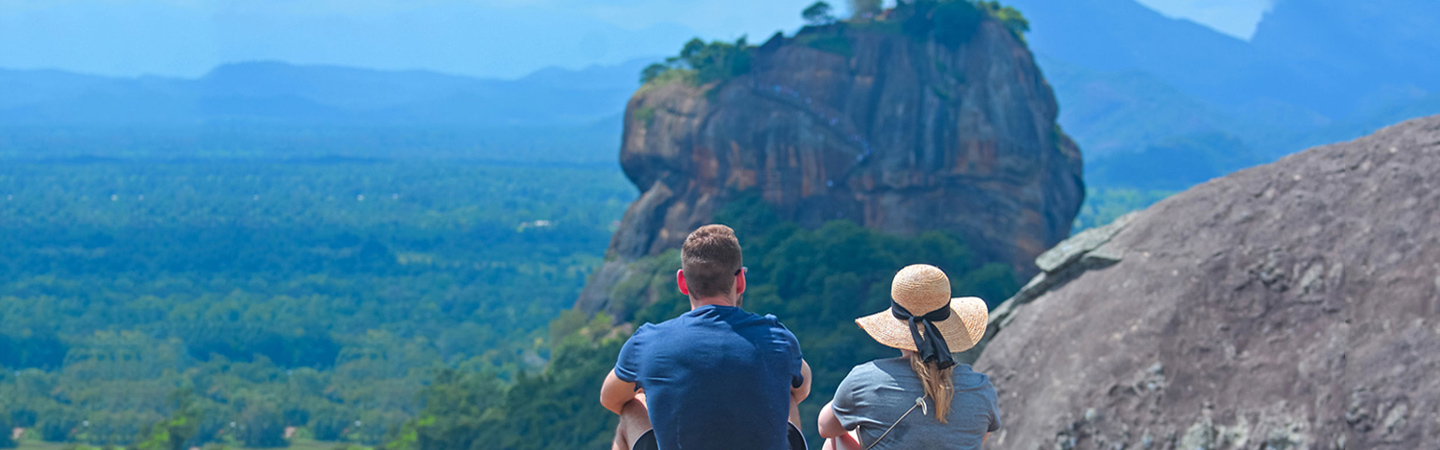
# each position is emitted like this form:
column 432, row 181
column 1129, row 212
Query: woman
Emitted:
column 922, row 399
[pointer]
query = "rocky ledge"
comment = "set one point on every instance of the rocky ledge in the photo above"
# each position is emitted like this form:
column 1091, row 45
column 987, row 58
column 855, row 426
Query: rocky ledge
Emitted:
column 1293, row 305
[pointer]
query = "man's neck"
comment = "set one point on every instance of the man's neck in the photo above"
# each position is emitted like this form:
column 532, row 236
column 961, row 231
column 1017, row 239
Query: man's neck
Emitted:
column 697, row 303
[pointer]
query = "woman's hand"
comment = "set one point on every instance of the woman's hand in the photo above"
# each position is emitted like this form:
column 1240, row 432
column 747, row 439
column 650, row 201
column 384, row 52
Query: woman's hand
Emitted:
column 846, row 441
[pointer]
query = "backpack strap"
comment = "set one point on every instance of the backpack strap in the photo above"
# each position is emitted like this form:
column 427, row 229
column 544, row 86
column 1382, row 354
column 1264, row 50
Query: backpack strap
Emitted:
column 919, row 403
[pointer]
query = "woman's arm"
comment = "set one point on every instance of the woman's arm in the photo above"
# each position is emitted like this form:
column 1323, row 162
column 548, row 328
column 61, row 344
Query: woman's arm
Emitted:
column 830, row 425
column 836, row 438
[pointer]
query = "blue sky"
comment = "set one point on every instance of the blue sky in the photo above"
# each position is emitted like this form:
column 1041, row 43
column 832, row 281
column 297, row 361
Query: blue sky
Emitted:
column 1234, row 17
column 488, row 38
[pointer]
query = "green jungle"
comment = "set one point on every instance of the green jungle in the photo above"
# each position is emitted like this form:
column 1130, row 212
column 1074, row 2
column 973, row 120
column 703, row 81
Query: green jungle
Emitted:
column 240, row 301
column 320, row 296
column 371, row 304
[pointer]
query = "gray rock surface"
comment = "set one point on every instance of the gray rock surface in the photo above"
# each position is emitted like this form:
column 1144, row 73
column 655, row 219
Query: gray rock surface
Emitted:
column 1290, row 306
column 1066, row 261
column 895, row 133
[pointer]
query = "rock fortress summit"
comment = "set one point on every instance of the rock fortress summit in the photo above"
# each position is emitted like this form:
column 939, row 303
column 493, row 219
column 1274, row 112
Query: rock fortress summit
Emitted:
column 864, row 121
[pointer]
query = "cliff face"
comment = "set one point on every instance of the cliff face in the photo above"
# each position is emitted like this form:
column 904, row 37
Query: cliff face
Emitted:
column 1293, row 305
column 896, row 133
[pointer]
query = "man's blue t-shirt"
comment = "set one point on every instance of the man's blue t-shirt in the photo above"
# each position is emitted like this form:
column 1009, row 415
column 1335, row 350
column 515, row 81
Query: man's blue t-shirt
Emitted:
column 716, row 377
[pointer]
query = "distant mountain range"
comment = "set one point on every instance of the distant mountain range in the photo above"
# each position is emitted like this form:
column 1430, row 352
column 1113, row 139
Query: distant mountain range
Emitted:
column 1137, row 90
column 280, row 93
column 1330, row 58
column 1136, row 86
column 279, row 110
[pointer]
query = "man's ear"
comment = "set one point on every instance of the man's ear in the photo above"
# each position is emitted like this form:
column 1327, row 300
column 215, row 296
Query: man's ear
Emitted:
column 740, row 282
column 680, row 281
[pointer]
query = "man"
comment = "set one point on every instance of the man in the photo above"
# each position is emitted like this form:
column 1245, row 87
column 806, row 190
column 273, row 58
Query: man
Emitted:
column 717, row 377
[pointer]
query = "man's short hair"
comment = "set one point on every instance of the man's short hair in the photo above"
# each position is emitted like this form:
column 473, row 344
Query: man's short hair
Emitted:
column 710, row 258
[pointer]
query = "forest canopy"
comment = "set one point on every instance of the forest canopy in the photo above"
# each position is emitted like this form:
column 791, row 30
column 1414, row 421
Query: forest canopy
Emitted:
column 318, row 296
column 817, row 281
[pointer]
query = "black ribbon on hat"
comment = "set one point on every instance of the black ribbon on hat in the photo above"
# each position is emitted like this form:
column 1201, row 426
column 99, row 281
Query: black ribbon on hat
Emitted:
column 931, row 346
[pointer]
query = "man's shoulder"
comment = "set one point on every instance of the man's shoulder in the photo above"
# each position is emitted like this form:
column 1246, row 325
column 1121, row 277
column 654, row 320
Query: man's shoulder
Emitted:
column 776, row 328
column 766, row 320
column 744, row 315
column 645, row 328
column 649, row 332
column 771, row 320
column 677, row 324
column 733, row 318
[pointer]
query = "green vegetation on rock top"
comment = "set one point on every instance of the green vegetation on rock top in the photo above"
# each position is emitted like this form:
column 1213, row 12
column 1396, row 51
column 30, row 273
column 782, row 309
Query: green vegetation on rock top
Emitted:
column 701, row 63
column 951, row 22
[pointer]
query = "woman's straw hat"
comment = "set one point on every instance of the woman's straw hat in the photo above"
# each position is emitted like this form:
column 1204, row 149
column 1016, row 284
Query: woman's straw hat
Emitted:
column 921, row 289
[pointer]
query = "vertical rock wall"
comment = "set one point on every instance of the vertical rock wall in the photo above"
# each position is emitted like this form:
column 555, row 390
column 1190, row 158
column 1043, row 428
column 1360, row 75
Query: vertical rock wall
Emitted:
column 896, row 133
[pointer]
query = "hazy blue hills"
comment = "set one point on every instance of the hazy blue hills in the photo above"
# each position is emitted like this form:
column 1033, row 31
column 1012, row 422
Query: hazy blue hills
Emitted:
column 1123, row 35
column 1132, row 83
column 1110, row 112
column 283, row 93
column 1387, row 48
column 278, row 110
column 1329, row 56
column 1182, row 103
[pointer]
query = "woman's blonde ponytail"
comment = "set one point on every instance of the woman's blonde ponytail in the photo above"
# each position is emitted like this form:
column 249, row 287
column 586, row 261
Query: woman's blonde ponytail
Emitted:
column 938, row 385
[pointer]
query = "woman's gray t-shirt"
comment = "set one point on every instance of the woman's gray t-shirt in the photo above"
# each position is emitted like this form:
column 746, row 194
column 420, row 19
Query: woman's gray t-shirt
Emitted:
column 877, row 393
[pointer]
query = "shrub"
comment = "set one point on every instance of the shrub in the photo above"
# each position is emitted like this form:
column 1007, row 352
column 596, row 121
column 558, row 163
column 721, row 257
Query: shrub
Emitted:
column 652, row 71
column 830, row 43
column 700, row 63
column 1009, row 16
column 175, row 432
column 329, row 423
column 864, row 9
column 652, row 281
column 993, row 282
column 955, row 22
column 262, row 425
column 58, row 424
column 5, row 426
column 818, row 13
column 43, row 351
column 645, row 114
column 22, row 417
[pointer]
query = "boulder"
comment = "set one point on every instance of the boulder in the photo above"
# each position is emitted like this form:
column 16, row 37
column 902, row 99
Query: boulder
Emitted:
column 862, row 123
column 1294, row 305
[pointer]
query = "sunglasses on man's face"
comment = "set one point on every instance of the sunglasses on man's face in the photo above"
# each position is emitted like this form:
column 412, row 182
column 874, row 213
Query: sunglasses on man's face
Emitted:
column 740, row 270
